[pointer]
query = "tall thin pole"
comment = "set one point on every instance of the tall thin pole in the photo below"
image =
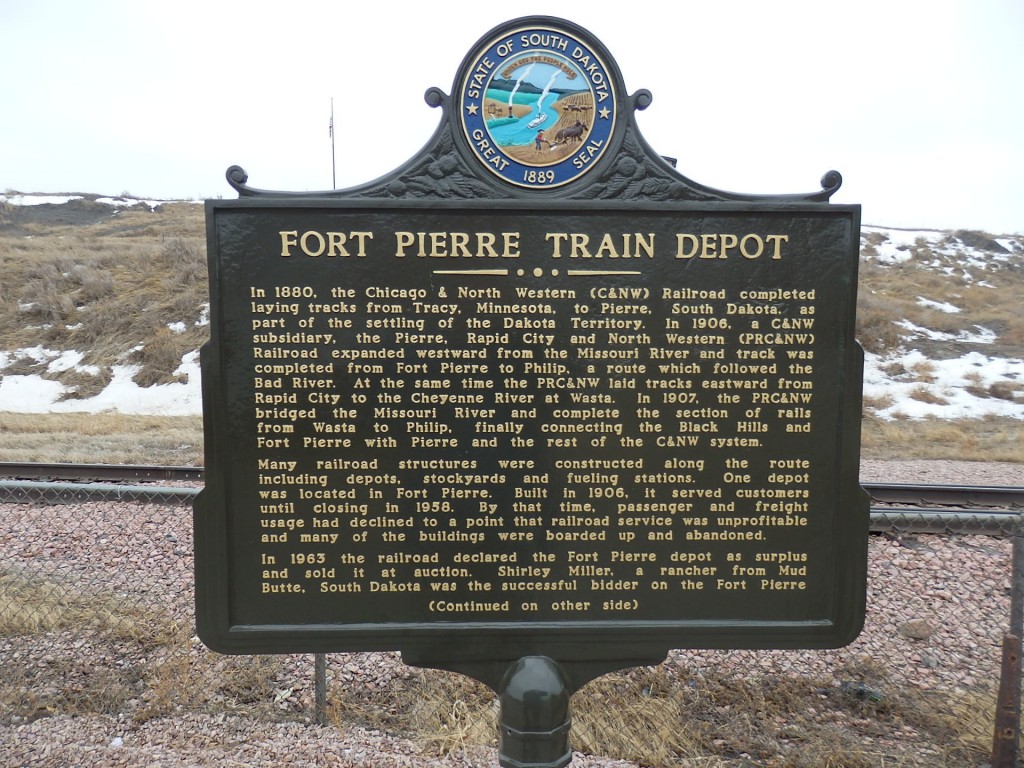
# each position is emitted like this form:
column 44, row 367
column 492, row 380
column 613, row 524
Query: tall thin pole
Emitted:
column 334, row 181
column 320, row 687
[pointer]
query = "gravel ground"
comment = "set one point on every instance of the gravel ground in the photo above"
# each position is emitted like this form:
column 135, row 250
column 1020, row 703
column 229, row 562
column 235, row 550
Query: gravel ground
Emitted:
column 938, row 606
column 945, row 472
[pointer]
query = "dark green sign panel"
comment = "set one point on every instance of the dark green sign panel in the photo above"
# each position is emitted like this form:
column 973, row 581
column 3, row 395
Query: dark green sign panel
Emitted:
column 533, row 404
column 480, row 431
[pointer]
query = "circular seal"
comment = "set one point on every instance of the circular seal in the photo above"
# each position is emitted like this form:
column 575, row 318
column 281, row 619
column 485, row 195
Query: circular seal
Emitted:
column 538, row 106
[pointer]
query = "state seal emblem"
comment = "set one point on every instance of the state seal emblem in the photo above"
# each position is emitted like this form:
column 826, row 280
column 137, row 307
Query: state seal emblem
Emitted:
column 537, row 105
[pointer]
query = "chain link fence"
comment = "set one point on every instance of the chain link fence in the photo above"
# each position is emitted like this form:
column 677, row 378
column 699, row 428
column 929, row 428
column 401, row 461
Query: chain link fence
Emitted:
column 96, row 616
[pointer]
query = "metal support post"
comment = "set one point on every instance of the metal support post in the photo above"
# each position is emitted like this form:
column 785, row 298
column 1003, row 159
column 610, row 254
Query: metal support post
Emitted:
column 535, row 715
column 320, row 684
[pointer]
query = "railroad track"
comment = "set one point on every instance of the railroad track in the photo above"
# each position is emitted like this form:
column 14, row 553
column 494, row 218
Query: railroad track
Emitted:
column 894, row 496
column 98, row 473
column 956, row 496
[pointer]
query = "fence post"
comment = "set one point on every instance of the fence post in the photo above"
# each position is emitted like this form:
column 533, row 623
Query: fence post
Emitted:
column 1006, row 731
column 1017, row 622
column 320, row 685
column 1017, row 583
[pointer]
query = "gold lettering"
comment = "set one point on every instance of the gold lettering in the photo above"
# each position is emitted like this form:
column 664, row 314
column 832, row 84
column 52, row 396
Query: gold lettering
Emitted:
column 713, row 245
column 440, row 245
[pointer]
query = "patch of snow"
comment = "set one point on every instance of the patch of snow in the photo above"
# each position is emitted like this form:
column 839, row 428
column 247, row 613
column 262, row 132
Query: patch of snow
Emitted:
column 952, row 257
column 123, row 202
column 30, row 394
column 39, row 354
column 942, row 306
column 115, row 202
column 905, row 236
column 887, row 253
column 38, row 199
column 953, row 385
column 64, row 361
column 34, row 394
column 981, row 336
column 56, row 362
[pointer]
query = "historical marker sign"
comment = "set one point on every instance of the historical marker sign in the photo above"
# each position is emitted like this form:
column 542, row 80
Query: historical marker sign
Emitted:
column 502, row 404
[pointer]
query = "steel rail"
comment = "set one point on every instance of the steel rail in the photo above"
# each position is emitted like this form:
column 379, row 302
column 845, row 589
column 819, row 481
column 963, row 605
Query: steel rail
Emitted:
column 964, row 496
column 114, row 473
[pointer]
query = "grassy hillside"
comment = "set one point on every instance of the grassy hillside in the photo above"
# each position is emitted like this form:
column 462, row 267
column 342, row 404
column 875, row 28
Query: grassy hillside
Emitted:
column 90, row 285
column 106, row 282
column 108, row 285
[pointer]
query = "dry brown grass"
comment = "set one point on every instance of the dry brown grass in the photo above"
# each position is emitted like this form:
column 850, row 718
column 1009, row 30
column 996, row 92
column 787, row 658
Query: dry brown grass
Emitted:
column 925, row 395
column 447, row 711
column 31, row 605
column 876, row 330
column 657, row 717
column 1006, row 390
column 25, row 695
column 989, row 298
column 106, row 289
column 121, row 657
column 989, row 439
column 104, row 438
column 96, row 676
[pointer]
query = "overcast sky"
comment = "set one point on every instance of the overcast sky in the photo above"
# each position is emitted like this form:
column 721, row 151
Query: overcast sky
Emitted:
column 917, row 103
